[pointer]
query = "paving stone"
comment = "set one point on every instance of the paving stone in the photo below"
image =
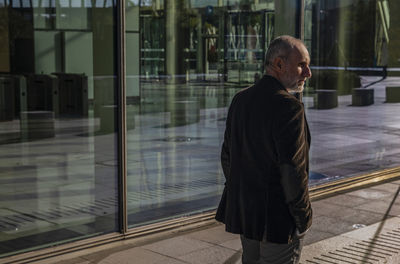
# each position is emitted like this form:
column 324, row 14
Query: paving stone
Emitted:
column 354, row 246
column 364, row 217
column 177, row 246
column 331, row 210
column 371, row 194
column 396, row 182
column 331, row 225
column 211, row 255
column 134, row 255
column 170, row 261
column 234, row 244
column 394, row 196
column 315, row 235
column 343, row 200
column 215, row 235
column 375, row 229
column 324, row 246
column 382, row 207
column 387, row 187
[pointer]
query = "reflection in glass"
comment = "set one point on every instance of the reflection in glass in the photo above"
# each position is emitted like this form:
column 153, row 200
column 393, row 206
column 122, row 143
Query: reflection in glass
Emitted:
column 351, row 111
column 193, row 58
column 58, row 162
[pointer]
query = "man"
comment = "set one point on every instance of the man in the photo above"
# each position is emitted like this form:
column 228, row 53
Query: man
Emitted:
column 265, row 159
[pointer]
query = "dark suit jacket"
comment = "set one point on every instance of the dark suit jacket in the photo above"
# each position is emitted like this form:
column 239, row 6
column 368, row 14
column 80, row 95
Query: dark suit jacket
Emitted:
column 265, row 162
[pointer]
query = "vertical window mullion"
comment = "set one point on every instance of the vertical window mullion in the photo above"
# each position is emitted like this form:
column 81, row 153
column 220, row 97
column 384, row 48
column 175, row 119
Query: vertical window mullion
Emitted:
column 121, row 76
column 300, row 30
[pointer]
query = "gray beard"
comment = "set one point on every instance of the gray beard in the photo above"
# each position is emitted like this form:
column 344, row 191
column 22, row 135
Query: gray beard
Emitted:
column 297, row 89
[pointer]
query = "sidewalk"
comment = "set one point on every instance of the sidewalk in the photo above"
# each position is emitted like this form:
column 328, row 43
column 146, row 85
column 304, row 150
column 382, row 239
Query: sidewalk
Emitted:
column 361, row 226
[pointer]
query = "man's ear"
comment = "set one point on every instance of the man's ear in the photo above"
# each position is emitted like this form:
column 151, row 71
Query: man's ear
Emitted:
column 278, row 64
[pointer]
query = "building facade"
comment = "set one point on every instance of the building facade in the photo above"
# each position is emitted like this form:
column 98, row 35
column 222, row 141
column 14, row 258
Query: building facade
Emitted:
column 112, row 113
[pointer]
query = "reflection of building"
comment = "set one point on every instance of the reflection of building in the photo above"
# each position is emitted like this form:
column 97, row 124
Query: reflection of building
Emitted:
column 352, row 33
column 219, row 42
column 71, row 169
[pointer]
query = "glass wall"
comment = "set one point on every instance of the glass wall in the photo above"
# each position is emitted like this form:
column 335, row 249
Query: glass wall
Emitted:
column 58, row 155
column 353, row 98
column 185, row 60
column 194, row 56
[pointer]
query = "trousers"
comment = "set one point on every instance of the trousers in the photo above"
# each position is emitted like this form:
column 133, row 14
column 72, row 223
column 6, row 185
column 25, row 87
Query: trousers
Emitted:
column 264, row 252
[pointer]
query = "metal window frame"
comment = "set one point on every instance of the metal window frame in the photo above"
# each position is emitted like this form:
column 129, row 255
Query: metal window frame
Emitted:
column 300, row 29
column 300, row 19
column 121, row 127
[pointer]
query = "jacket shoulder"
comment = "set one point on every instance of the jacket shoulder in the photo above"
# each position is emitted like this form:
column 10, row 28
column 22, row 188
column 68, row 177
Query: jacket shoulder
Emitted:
column 285, row 101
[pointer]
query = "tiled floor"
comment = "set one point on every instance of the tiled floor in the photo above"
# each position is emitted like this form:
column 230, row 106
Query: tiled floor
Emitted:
column 68, row 183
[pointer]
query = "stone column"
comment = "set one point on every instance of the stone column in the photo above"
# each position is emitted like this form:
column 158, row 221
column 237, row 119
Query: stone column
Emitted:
column 21, row 40
column 103, row 58
column 4, row 41
column 105, row 107
column 285, row 17
column 221, row 41
column 182, row 108
column 176, row 40
column 393, row 34
column 200, row 56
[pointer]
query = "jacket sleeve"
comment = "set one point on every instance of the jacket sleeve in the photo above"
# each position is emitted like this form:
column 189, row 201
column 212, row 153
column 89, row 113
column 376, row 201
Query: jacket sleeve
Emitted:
column 292, row 150
column 225, row 151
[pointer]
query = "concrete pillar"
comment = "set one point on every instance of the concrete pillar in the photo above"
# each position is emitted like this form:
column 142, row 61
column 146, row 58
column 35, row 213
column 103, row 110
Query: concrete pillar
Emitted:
column 393, row 33
column 222, row 67
column 177, row 36
column 285, row 17
column 342, row 46
column 22, row 44
column 103, row 58
column 4, row 42
column 177, row 41
column 200, row 57
column 105, row 148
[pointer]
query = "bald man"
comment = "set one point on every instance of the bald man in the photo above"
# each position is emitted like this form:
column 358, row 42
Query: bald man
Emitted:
column 265, row 159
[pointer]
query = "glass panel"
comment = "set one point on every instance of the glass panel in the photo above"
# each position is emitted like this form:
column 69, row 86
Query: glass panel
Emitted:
column 352, row 98
column 185, row 61
column 58, row 155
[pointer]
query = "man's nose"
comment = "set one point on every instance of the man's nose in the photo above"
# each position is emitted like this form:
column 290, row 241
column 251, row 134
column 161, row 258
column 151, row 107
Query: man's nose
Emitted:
column 307, row 72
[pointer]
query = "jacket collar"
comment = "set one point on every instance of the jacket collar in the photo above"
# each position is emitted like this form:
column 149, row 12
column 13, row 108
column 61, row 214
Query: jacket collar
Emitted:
column 273, row 85
column 273, row 82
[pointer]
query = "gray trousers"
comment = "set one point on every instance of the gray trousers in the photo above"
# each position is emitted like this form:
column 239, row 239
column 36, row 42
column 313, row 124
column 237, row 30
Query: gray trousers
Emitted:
column 263, row 252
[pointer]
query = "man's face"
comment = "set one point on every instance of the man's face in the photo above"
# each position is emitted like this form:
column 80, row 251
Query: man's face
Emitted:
column 296, row 70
